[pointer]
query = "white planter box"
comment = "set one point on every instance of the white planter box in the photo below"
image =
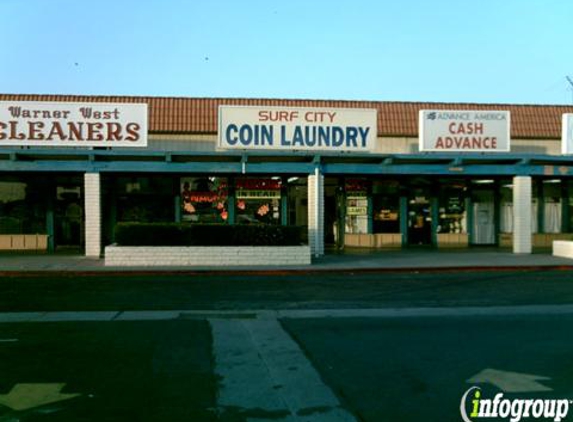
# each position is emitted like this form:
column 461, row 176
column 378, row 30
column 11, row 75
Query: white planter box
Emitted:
column 563, row 248
column 206, row 256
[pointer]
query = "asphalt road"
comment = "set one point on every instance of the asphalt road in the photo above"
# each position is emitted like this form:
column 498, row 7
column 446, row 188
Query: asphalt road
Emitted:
column 77, row 292
column 120, row 371
column 374, row 369
column 416, row 369
column 314, row 369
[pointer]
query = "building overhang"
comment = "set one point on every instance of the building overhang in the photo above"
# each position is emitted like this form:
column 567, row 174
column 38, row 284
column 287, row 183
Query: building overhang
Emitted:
column 129, row 161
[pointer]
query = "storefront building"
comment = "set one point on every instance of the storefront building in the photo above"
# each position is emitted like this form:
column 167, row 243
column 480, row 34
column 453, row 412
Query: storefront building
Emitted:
column 357, row 174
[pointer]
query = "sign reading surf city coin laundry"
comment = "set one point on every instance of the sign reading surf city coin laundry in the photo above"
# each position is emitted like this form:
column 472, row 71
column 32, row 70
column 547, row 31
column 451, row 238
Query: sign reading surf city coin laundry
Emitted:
column 297, row 128
column 64, row 124
column 464, row 130
column 567, row 134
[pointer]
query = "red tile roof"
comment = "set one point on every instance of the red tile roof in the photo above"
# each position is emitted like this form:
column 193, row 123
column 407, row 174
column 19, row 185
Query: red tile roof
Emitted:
column 199, row 115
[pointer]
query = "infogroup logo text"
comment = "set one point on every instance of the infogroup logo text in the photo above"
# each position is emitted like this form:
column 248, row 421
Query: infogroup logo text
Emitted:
column 513, row 409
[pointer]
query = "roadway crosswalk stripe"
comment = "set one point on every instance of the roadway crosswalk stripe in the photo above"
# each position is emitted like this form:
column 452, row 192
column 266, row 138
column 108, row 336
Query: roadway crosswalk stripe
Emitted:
column 265, row 376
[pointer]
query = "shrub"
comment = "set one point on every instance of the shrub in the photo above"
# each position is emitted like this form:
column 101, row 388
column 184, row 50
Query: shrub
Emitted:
column 185, row 234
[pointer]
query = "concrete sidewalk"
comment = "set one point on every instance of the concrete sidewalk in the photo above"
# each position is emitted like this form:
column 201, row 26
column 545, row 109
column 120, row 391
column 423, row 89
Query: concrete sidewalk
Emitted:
column 348, row 261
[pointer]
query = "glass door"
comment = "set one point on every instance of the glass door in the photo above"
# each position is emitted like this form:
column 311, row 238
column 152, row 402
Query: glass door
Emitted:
column 484, row 217
column 69, row 214
column 419, row 220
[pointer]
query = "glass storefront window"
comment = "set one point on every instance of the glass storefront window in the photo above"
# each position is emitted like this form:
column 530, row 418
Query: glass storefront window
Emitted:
column 22, row 206
column 386, row 204
column 552, row 206
column 204, row 199
column 297, row 192
column 145, row 199
column 258, row 200
column 570, row 204
column 356, row 206
column 452, row 208
column 506, row 207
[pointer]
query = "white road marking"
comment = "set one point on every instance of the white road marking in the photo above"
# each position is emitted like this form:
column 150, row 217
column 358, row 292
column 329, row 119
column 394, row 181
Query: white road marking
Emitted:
column 8, row 340
column 266, row 377
column 78, row 316
column 28, row 396
column 149, row 315
column 511, row 382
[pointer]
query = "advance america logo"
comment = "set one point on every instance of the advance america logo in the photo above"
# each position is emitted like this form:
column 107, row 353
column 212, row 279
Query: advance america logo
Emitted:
column 513, row 409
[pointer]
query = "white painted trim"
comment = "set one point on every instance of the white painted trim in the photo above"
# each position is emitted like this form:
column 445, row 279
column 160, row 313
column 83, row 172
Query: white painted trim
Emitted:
column 317, row 211
column 93, row 217
column 522, row 197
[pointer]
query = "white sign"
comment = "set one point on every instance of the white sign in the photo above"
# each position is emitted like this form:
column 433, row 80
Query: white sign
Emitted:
column 297, row 128
column 60, row 124
column 464, row 130
column 567, row 134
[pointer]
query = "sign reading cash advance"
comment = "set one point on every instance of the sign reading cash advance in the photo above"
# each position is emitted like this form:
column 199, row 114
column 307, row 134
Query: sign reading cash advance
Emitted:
column 464, row 130
column 567, row 134
column 297, row 128
column 61, row 124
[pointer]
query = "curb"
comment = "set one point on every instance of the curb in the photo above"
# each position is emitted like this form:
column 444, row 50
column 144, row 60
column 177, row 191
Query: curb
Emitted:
column 279, row 272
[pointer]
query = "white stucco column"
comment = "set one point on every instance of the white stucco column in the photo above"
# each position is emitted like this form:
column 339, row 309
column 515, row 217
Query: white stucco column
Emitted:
column 92, row 209
column 522, row 214
column 316, row 213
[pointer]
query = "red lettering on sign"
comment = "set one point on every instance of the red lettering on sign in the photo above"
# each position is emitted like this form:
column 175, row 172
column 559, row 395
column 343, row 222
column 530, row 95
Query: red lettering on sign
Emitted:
column 56, row 130
column 466, row 142
column 277, row 116
column 113, row 132
column 466, row 128
column 35, row 131
column 94, row 133
column 133, row 130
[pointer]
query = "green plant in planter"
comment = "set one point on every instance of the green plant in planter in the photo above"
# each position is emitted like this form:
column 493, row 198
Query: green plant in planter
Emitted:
column 185, row 234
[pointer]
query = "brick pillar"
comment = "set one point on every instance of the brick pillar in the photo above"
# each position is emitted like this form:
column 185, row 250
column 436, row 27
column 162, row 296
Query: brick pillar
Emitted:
column 92, row 205
column 522, row 214
column 316, row 213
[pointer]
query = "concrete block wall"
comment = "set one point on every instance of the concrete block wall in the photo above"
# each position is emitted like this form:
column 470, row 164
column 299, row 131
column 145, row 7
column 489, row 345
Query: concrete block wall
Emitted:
column 522, row 192
column 92, row 207
column 453, row 240
column 316, row 231
column 206, row 256
column 563, row 248
column 23, row 242
column 545, row 240
column 377, row 240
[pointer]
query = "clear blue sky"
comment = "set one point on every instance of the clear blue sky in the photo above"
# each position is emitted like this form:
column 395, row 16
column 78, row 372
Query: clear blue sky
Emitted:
column 488, row 51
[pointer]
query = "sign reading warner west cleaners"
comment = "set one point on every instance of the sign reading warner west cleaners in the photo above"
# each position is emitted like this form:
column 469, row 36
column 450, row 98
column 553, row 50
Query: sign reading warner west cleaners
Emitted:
column 294, row 128
column 464, row 130
column 61, row 124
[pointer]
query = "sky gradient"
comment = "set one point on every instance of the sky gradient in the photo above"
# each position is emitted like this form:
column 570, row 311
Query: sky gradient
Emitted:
column 510, row 51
